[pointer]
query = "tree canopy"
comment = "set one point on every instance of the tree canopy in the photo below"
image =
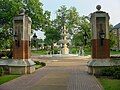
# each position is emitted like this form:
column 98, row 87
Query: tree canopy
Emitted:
column 77, row 25
column 10, row 8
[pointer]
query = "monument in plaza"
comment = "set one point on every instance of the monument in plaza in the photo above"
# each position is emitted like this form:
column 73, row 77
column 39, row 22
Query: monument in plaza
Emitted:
column 21, row 63
column 100, row 41
column 64, row 41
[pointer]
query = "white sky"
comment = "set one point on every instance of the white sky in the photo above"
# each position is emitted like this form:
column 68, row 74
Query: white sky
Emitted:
column 85, row 7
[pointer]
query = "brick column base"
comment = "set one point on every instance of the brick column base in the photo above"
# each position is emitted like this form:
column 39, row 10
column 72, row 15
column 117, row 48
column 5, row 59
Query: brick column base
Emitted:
column 98, row 51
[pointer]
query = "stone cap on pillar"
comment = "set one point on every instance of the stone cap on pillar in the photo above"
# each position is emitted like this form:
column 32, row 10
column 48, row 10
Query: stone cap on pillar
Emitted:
column 99, row 12
column 24, row 21
column 22, row 11
column 21, row 15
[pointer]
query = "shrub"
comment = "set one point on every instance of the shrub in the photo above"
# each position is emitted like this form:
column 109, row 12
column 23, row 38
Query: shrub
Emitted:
column 56, row 51
column 37, row 62
column 116, row 75
column 108, row 71
column 113, row 72
column 40, row 63
column 73, row 50
column 43, row 64
column 1, row 71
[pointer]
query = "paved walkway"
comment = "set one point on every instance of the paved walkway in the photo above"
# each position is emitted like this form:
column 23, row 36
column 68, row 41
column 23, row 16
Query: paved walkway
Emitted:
column 67, row 74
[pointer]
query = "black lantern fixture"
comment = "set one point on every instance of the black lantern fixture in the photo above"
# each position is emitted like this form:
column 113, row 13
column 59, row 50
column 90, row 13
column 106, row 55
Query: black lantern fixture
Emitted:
column 35, row 36
column 15, row 37
column 101, row 35
column 85, row 38
column 17, row 42
column 34, row 39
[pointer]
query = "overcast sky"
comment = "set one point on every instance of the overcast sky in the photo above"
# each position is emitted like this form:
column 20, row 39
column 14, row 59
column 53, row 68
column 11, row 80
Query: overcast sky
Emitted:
column 85, row 7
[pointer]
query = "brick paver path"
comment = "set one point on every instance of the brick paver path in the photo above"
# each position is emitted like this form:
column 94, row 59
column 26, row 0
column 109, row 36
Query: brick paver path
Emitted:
column 67, row 74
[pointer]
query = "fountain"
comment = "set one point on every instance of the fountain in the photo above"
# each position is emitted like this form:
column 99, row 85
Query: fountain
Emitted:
column 64, row 41
column 64, row 53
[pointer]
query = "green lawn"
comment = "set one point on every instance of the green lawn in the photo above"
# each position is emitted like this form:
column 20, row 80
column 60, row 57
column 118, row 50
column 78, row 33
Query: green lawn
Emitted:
column 38, row 66
column 72, row 50
column 110, row 84
column 39, row 52
column 114, row 52
column 7, row 78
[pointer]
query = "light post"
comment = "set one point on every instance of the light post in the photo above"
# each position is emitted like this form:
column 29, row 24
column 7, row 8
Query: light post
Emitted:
column 34, row 39
column 85, row 36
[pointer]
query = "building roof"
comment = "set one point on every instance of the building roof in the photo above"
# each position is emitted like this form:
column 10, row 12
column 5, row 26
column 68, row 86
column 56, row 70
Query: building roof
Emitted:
column 117, row 26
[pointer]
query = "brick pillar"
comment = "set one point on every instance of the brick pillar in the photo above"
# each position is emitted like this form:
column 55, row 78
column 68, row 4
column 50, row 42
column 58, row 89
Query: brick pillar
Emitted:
column 98, row 51
column 21, row 63
column 23, row 51
column 100, row 42
column 100, row 45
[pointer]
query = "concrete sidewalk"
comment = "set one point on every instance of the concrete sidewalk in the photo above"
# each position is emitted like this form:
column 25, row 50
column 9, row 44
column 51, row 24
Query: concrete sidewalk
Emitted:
column 57, row 75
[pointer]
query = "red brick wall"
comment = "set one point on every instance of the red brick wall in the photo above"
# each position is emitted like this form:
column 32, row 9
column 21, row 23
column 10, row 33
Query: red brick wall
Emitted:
column 21, row 52
column 98, row 51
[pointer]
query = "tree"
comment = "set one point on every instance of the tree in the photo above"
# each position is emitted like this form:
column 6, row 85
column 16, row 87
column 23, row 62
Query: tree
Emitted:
column 52, row 36
column 36, row 43
column 39, row 17
column 71, row 19
column 75, row 24
column 10, row 8
column 78, row 40
column 68, row 17
column 6, row 39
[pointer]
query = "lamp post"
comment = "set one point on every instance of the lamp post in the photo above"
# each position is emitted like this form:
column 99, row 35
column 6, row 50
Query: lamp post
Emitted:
column 85, row 38
column 34, row 39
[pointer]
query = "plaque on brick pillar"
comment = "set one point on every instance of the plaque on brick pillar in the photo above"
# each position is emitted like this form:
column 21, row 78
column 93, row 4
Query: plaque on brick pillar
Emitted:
column 21, row 63
column 100, row 41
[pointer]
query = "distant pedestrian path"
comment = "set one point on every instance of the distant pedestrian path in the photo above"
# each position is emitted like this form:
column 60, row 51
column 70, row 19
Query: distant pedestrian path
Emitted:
column 66, row 74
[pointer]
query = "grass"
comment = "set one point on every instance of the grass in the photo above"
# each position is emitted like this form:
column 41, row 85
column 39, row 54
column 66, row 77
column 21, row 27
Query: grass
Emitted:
column 7, row 78
column 87, row 51
column 38, row 66
column 110, row 84
column 114, row 52
column 39, row 52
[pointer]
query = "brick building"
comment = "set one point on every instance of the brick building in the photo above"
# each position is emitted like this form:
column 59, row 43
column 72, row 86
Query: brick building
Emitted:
column 116, row 31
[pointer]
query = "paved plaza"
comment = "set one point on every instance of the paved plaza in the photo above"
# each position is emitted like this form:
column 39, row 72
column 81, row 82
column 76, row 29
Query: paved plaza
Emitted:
column 61, row 74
